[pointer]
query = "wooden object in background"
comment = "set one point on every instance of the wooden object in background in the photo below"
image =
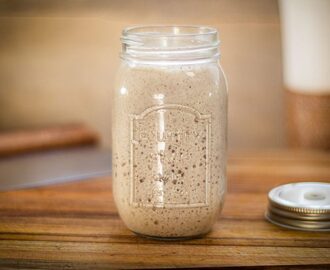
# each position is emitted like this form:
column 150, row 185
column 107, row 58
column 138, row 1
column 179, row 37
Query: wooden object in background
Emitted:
column 60, row 136
column 78, row 72
column 308, row 120
column 76, row 225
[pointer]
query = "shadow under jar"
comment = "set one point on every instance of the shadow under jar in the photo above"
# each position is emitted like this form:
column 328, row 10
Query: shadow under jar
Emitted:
column 169, row 131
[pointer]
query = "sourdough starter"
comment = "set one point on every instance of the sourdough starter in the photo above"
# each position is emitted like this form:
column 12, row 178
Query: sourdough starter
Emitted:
column 169, row 148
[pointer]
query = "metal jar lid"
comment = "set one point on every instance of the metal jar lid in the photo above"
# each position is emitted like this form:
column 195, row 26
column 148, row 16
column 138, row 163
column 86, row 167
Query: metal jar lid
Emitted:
column 300, row 206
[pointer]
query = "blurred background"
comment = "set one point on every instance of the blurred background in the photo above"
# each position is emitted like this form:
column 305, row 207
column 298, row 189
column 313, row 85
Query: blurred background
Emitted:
column 58, row 61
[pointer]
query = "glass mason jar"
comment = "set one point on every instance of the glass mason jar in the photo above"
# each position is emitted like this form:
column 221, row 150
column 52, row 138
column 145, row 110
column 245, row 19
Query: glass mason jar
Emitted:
column 169, row 131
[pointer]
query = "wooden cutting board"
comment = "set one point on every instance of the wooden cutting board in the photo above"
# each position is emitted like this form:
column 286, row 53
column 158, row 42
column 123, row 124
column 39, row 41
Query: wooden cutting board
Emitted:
column 39, row 139
column 76, row 225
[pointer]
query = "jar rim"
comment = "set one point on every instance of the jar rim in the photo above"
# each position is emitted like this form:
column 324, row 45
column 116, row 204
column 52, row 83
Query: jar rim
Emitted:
column 159, row 44
column 176, row 30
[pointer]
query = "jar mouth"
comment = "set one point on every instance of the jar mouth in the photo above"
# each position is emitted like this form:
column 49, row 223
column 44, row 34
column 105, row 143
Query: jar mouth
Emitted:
column 169, row 30
column 170, row 43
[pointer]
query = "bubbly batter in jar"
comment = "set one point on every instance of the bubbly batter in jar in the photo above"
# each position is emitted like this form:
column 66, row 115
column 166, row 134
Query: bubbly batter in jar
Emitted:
column 169, row 145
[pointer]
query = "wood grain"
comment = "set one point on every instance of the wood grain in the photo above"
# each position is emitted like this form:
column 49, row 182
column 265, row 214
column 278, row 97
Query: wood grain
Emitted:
column 77, row 226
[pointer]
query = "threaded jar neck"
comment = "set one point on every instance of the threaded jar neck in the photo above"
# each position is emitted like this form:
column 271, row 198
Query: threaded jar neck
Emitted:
column 170, row 44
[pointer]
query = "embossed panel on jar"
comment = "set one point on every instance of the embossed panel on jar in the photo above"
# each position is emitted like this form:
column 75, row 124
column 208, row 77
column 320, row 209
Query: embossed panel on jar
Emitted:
column 170, row 148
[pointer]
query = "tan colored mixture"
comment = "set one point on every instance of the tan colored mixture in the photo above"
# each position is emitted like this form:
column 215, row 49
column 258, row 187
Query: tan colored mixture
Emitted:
column 169, row 148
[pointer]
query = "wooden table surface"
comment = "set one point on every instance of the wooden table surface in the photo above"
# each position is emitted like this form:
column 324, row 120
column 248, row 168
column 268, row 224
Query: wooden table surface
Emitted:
column 76, row 225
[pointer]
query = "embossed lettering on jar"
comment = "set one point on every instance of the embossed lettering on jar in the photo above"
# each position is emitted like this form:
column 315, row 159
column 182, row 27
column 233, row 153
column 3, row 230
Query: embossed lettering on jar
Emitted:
column 169, row 131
